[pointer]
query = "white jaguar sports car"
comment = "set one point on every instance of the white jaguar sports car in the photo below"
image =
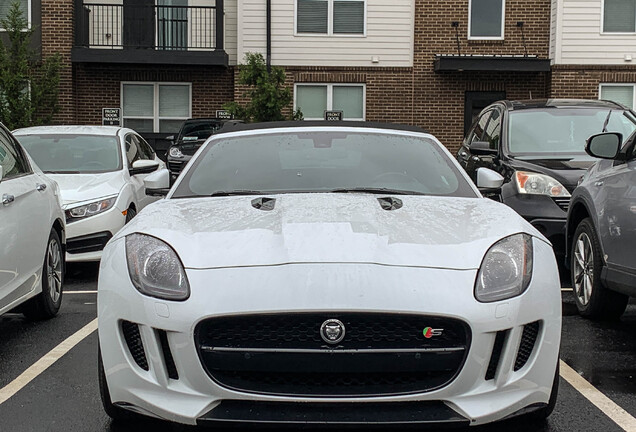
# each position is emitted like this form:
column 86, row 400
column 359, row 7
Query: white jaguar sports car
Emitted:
column 318, row 274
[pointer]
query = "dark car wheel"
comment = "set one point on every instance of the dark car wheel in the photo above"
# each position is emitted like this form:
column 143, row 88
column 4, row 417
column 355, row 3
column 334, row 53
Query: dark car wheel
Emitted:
column 592, row 299
column 130, row 214
column 113, row 411
column 47, row 304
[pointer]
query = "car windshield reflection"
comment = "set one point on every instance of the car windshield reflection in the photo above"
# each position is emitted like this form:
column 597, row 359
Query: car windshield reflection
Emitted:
column 73, row 154
column 322, row 161
column 557, row 132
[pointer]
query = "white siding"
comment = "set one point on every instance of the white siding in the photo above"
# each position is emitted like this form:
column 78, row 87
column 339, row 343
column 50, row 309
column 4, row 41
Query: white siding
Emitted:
column 579, row 39
column 389, row 36
column 231, row 31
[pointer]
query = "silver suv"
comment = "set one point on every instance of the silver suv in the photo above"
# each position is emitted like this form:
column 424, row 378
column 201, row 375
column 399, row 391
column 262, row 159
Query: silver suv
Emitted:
column 601, row 229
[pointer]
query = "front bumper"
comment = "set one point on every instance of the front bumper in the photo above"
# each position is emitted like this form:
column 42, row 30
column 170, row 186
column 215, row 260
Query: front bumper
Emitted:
column 195, row 398
column 86, row 238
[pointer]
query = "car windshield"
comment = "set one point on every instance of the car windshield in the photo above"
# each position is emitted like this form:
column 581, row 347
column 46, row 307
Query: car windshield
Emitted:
column 563, row 131
column 76, row 154
column 196, row 131
column 323, row 161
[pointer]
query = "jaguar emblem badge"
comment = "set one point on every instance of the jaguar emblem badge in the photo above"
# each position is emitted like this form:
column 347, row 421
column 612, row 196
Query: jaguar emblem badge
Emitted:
column 332, row 331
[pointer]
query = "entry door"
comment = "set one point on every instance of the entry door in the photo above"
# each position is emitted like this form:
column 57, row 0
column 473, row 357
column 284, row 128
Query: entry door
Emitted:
column 139, row 23
column 172, row 24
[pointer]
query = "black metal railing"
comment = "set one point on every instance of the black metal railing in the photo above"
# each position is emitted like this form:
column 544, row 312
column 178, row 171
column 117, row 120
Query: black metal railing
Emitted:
column 159, row 27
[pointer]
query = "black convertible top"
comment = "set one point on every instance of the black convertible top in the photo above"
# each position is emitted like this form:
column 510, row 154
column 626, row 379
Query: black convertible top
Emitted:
column 236, row 127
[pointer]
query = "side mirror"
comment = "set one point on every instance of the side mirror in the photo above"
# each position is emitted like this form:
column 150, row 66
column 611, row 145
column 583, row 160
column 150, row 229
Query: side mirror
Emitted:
column 482, row 148
column 158, row 183
column 605, row 145
column 143, row 166
column 489, row 181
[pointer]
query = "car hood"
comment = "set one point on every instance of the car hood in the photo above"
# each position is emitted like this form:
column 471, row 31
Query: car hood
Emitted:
column 567, row 170
column 452, row 233
column 85, row 187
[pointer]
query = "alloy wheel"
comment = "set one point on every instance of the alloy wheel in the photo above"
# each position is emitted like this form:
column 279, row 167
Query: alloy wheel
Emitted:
column 54, row 269
column 583, row 268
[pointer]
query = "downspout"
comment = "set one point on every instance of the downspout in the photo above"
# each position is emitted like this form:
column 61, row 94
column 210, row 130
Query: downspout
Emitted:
column 269, row 36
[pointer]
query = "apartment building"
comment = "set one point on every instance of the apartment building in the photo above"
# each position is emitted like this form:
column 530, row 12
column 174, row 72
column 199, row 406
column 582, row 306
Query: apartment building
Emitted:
column 423, row 62
column 593, row 47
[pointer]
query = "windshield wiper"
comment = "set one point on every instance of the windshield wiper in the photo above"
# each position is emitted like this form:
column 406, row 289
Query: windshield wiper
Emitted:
column 374, row 190
column 606, row 121
column 61, row 172
column 236, row 192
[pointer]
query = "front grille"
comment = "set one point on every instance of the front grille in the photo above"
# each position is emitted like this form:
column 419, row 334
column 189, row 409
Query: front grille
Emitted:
column 562, row 202
column 135, row 345
column 496, row 354
column 88, row 243
column 284, row 354
column 175, row 167
column 528, row 339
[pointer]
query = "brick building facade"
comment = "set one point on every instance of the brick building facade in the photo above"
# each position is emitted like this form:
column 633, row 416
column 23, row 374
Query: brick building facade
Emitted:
column 417, row 87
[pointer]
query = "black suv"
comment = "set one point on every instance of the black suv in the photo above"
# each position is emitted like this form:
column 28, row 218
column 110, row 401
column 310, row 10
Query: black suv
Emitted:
column 191, row 136
column 538, row 146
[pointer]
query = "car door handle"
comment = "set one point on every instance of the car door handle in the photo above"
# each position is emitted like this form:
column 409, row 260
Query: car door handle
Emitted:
column 41, row 187
column 7, row 199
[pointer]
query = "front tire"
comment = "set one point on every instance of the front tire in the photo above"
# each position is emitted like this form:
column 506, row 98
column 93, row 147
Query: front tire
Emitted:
column 130, row 214
column 592, row 299
column 47, row 304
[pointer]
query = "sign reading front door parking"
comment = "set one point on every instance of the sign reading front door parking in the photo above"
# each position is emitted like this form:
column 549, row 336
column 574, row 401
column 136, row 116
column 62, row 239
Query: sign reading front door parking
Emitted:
column 224, row 115
column 111, row 117
column 333, row 115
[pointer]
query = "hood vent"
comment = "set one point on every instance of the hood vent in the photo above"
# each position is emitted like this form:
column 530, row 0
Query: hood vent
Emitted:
column 265, row 204
column 390, row 203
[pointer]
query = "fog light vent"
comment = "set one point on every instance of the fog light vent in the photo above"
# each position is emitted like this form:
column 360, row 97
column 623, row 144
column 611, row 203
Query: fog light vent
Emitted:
column 134, row 343
column 497, row 348
column 171, row 368
column 528, row 339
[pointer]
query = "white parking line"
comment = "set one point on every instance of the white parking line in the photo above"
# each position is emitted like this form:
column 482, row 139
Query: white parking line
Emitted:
column 80, row 292
column 49, row 359
column 617, row 414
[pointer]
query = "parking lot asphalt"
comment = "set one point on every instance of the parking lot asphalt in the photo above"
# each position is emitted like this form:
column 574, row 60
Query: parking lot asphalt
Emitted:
column 39, row 392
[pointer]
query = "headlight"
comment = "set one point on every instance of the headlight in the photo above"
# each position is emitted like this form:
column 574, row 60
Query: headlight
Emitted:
column 506, row 269
column 88, row 210
column 175, row 152
column 539, row 184
column 155, row 269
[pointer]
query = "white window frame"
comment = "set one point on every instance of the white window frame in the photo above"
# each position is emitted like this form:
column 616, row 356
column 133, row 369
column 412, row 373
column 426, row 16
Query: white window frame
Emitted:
column 632, row 85
column 330, row 87
column 29, row 23
column 155, row 117
column 503, row 23
column 602, row 26
column 330, row 32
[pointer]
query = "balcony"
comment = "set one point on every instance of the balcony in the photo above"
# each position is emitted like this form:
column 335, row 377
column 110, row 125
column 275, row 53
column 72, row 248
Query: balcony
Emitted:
column 142, row 32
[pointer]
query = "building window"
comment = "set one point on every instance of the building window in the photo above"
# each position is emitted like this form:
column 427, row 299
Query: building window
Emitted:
column 156, row 107
column 331, row 17
column 486, row 19
column 619, row 16
column 314, row 99
column 621, row 93
column 25, row 7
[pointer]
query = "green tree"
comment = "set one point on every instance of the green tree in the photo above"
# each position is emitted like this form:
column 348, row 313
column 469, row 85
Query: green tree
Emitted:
column 29, row 86
column 267, row 95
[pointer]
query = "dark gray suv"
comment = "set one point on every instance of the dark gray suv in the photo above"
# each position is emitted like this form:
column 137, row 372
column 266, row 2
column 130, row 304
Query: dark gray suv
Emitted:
column 601, row 228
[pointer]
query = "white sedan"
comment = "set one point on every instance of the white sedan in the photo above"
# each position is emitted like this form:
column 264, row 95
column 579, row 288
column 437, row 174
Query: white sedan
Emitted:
column 348, row 274
column 100, row 170
column 32, row 235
